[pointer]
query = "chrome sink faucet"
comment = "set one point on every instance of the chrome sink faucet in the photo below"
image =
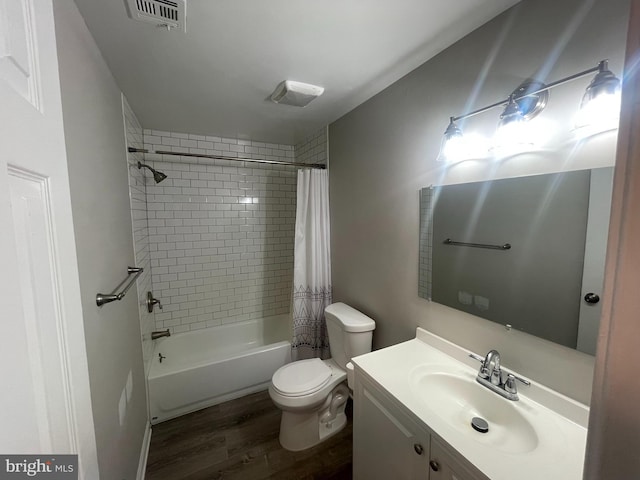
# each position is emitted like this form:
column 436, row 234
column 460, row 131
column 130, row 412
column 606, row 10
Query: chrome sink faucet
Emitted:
column 491, row 376
column 491, row 367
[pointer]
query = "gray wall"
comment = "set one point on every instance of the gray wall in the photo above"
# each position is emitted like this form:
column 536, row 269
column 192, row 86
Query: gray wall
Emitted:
column 94, row 132
column 385, row 150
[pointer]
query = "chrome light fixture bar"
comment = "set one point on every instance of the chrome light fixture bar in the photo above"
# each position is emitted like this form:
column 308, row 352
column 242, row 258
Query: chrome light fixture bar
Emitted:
column 601, row 68
column 531, row 97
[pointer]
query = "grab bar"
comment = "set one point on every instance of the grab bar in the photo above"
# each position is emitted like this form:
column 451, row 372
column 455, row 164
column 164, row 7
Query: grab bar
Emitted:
column 102, row 298
column 506, row 246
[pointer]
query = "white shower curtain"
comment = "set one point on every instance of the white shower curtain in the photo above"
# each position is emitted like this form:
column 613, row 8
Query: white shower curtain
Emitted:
column 312, row 266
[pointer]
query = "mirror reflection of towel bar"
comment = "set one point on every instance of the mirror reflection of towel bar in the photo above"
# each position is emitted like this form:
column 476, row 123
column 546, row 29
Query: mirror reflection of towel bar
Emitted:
column 506, row 246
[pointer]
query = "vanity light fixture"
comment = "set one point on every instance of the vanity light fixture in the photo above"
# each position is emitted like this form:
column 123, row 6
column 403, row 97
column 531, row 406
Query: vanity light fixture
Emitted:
column 600, row 103
column 452, row 143
column 511, row 133
column 511, row 114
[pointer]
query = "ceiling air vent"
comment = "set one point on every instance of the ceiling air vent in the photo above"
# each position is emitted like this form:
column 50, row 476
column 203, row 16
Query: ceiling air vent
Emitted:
column 163, row 13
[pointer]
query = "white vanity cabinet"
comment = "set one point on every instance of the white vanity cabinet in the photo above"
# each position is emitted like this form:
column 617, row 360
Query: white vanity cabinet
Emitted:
column 386, row 443
column 414, row 403
column 444, row 465
column 389, row 444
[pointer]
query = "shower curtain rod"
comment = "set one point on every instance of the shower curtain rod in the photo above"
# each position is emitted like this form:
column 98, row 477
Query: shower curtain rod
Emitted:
column 220, row 157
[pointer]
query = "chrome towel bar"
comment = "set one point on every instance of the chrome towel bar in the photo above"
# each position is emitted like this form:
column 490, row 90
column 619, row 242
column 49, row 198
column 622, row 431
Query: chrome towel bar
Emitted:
column 102, row 298
column 506, row 246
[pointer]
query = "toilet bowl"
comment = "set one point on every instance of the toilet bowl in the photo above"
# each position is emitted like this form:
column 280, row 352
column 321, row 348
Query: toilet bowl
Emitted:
column 312, row 394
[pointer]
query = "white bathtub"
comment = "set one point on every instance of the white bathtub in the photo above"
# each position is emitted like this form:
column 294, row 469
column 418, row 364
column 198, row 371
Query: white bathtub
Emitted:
column 206, row 367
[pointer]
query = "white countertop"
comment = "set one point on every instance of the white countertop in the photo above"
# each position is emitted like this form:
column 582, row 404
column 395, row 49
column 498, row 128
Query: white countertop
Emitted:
column 559, row 422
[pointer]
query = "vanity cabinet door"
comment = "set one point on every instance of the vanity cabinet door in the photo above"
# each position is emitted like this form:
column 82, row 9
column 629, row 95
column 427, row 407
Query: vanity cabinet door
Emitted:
column 386, row 443
column 443, row 465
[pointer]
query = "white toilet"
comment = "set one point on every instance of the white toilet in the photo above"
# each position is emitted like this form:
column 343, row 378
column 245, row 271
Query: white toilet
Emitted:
column 312, row 393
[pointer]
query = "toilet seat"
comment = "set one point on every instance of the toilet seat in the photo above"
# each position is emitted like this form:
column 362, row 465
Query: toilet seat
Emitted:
column 315, row 395
column 301, row 378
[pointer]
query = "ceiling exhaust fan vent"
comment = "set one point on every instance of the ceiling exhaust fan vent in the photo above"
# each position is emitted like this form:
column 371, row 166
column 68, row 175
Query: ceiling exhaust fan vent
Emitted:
column 164, row 13
column 297, row 94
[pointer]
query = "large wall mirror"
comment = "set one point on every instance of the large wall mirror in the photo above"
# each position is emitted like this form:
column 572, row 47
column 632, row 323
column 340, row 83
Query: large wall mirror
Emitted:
column 525, row 252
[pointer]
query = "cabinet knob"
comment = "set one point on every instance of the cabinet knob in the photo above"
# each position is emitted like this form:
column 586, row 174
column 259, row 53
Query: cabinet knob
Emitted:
column 418, row 448
column 435, row 466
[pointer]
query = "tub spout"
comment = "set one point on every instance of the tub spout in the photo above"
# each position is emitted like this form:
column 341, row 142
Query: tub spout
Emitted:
column 160, row 334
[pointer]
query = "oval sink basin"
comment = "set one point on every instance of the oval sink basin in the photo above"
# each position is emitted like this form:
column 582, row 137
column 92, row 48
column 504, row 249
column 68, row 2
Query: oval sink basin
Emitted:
column 458, row 398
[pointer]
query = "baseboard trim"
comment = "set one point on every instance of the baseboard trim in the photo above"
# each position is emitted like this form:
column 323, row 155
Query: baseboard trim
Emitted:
column 144, row 453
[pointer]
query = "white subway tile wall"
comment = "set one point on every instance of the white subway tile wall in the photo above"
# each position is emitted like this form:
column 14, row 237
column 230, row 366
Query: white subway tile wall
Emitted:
column 425, row 282
column 220, row 232
column 137, row 195
column 217, row 235
column 314, row 148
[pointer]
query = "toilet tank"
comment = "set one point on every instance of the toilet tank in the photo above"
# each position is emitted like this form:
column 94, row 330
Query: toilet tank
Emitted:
column 350, row 332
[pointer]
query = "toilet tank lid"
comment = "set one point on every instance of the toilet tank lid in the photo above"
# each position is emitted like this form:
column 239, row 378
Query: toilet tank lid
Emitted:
column 351, row 320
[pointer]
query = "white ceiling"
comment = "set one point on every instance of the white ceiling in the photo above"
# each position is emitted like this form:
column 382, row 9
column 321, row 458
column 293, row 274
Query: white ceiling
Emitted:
column 216, row 78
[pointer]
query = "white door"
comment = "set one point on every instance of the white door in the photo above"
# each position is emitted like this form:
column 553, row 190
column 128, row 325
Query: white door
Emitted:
column 45, row 405
column 595, row 251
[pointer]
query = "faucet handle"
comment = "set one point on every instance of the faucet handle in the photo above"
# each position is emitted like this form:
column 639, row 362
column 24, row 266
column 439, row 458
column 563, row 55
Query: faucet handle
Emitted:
column 524, row 381
column 477, row 357
column 511, row 386
column 152, row 301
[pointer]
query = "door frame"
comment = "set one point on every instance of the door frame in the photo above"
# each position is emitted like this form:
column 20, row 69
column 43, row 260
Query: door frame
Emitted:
column 613, row 442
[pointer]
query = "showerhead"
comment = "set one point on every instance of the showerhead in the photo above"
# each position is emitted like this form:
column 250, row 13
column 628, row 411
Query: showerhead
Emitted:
column 157, row 176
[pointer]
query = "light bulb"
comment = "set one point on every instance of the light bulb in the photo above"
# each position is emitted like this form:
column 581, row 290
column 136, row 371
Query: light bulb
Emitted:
column 453, row 149
column 512, row 138
column 599, row 114
column 600, row 106
column 467, row 147
column 452, row 141
column 512, row 134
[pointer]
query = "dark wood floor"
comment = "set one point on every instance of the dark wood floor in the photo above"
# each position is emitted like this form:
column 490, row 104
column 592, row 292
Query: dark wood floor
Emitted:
column 239, row 440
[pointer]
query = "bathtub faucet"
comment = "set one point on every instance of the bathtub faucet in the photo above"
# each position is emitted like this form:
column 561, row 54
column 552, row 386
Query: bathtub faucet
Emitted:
column 160, row 334
column 151, row 302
